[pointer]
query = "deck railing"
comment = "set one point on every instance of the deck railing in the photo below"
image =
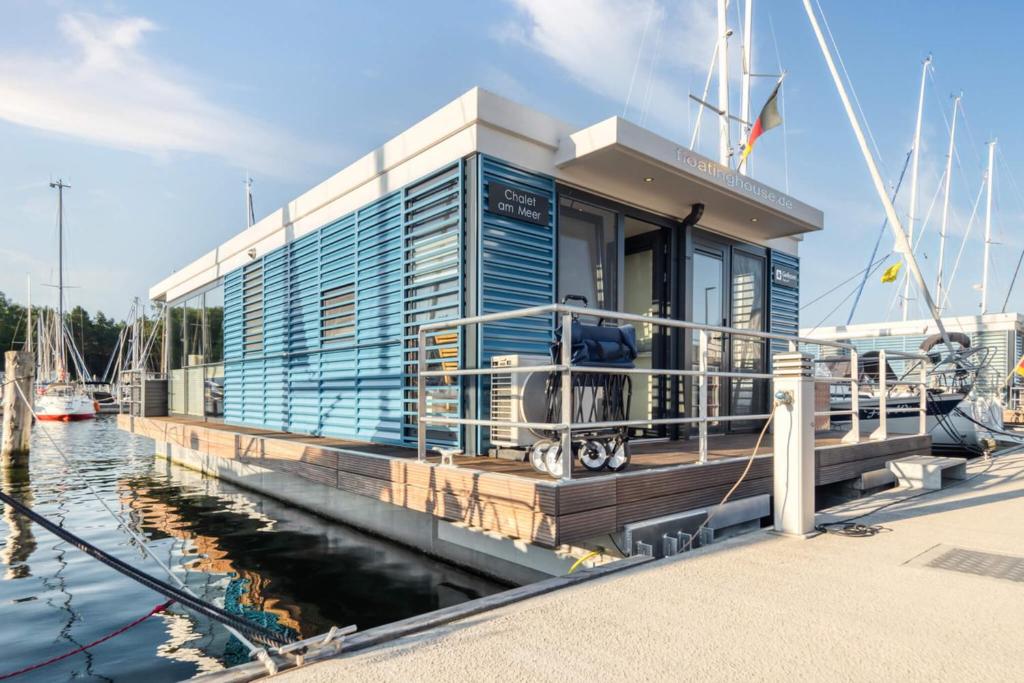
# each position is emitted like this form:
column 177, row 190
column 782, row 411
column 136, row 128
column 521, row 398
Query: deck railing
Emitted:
column 565, row 426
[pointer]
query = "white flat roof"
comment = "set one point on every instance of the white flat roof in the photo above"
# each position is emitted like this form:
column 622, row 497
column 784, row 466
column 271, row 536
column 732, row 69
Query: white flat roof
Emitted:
column 610, row 158
column 990, row 322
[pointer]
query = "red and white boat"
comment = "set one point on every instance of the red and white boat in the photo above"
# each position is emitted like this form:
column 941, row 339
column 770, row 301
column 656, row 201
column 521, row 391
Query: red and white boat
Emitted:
column 65, row 402
column 61, row 399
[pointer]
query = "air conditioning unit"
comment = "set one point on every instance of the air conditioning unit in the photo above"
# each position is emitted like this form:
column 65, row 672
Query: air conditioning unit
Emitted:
column 517, row 397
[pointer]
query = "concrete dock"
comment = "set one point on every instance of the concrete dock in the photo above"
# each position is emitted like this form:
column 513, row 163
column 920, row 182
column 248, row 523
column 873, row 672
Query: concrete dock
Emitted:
column 892, row 606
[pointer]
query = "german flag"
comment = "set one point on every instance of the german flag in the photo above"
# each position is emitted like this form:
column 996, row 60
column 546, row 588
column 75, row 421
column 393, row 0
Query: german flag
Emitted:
column 768, row 119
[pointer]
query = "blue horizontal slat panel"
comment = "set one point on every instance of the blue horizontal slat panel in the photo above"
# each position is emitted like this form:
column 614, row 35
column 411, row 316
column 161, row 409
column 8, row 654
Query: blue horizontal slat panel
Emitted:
column 516, row 270
column 275, row 339
column 319, row 369
column 784, row 312
column 233, row 347
column 432, row 290
column 304, row 334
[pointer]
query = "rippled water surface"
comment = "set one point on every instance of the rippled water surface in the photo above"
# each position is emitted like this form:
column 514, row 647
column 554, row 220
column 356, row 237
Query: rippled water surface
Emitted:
column 289, row 570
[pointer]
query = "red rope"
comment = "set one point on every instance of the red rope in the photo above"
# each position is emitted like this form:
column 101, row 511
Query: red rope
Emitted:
column 40, row 665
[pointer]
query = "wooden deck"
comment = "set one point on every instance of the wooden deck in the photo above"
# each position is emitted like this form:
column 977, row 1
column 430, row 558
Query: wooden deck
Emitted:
column 509, row 497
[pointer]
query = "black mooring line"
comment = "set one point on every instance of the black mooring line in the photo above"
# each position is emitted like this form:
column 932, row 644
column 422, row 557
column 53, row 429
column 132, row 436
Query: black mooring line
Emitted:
column 196, row 604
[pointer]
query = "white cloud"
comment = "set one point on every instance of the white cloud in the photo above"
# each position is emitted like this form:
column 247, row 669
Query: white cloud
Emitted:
column 598, row 42
column 104, row 89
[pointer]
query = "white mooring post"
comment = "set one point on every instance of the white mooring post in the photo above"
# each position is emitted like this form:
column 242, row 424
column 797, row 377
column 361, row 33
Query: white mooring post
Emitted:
column 793, row 436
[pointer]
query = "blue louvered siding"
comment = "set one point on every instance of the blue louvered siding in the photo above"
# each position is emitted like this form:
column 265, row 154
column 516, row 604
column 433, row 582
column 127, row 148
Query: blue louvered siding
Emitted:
column 516, row 270
column 275, row 339
column 784, row 314
column 433, row 290
column 303, row 340
column 402, row 256
column 233, row 346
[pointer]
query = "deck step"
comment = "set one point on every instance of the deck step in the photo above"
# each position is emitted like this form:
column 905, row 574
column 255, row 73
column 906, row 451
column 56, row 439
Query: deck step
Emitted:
column 874, row 479
column 926, row 471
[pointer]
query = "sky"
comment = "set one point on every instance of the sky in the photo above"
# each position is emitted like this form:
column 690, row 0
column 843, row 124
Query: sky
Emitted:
column 154, row 113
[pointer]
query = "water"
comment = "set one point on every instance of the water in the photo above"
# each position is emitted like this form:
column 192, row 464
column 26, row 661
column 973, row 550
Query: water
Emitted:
column 292, row 571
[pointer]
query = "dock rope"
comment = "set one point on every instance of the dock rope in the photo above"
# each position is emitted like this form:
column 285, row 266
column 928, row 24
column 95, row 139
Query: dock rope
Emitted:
column 53, row 660
column 688, row 544
column 186, row 599
column 230, row 621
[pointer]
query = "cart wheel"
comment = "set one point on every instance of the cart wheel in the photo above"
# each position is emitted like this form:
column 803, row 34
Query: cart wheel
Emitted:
column 619, row 458
column 593, row 455
column 553, row 461
column 537, row 452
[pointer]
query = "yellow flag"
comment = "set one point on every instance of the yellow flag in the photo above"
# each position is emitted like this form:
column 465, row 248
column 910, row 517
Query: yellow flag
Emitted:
column 891, row 272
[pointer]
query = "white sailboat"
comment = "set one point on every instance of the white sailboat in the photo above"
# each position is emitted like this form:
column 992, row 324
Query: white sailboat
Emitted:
column 63, row 399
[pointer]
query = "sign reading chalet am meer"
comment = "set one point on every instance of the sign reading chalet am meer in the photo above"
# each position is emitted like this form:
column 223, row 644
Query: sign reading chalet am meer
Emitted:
column 519, row 204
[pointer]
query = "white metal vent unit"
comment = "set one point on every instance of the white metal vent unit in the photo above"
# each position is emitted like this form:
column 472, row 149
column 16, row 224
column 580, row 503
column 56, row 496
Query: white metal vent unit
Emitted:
column 517, row 397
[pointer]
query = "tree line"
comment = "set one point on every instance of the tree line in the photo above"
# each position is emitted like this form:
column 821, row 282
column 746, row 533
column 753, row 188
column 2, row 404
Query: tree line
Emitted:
column 95, row 336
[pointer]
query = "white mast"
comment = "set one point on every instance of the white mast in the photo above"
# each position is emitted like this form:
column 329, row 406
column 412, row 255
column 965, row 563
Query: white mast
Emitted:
column 60, row 277
column 250, row 215
column 748, row 44
column 723, row 85
column 988, row 229
column 945, row 199
column 913, row 177
column 902, row 243
column 28, row 323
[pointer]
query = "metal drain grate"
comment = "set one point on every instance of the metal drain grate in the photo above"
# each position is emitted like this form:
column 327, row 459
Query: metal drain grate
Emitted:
column 980, row 564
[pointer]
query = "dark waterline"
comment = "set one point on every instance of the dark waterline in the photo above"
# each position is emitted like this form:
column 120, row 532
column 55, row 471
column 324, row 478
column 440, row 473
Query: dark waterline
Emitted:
column 287, row 569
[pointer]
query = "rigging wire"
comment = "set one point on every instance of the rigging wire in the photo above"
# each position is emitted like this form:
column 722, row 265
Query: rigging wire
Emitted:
column 782, row 103
column 650, row 75
column 853, row 90
column 844, row 300
column 963, row 243
column 639, row 55
column 846, row 281
column 878, row 240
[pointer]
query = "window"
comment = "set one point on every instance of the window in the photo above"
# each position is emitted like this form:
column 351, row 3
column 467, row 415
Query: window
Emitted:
column 337, row 315
column 194, row 341
column 587, row 250
column 213, row 324
column 252, row 308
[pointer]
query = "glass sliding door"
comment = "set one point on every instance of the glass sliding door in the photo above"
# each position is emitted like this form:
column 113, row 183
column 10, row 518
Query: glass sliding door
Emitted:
column 708, row 293
column 645, row 293
column 747, row 396
column 587, row 253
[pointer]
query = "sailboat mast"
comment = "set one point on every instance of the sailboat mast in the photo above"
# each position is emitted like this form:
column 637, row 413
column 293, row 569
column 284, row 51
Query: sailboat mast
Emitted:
column 902, row 243
column 60, row 275
column 723, row 85
column 988, row 228
column 913, row 178
column 250, row 214
column 945, row 201
column 748, row 44
column 28, row 324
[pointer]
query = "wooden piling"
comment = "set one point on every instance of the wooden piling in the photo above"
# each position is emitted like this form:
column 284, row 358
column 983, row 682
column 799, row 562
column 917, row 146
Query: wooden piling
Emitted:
column 19, row 368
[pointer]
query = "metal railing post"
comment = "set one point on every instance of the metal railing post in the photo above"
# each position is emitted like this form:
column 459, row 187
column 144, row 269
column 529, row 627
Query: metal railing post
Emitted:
column 566, row 361
column 854, row 435
column 421, row 395
column 702, row 395
column 923, row 391
column 882, row 432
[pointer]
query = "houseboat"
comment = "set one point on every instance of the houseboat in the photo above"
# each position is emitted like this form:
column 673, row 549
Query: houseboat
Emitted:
column 292, row 350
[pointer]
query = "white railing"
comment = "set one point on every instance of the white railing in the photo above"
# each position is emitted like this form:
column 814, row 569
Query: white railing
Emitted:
column 565, row 426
